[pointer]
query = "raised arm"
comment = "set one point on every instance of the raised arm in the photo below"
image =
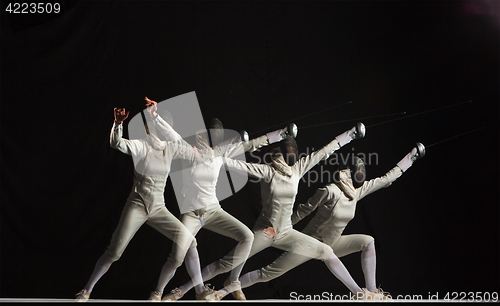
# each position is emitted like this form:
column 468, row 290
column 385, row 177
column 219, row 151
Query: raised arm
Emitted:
column 270, row 138
column 185, row 151
column 386, row 180
column 234, row 147
column 255, row 143
column 379, row 182
column 165, row 129
column 249, row 146
column 130, row 147
column 306, row 163
column 256, row 170
column 303, row 210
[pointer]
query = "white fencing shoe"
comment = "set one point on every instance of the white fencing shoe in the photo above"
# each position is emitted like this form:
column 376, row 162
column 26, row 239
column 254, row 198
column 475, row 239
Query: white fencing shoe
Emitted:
column 155, row 296
column 368, row 296
column 173, row 296
column 235, row 289
column 82, row 296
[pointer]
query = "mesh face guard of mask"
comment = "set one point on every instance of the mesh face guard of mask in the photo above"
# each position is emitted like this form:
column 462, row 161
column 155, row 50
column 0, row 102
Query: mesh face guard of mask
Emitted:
column 216, row 135
column 286, row 148
column 357, row 170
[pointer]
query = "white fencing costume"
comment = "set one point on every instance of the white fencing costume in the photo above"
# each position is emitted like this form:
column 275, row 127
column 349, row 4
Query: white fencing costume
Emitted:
column 200, row 206
column 146, row 203
column 303, row 250
column 279, row 186
column 334, row 211
column 278, row 193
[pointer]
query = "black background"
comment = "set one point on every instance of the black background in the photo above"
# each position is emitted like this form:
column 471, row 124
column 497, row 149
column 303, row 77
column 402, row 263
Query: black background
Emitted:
column 253, row 65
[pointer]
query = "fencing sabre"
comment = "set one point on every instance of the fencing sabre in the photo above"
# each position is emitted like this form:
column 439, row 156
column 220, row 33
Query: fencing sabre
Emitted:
column 348, row 120
column 452, row 137
column 295, row 119
column 145, row 123
column 420, row 113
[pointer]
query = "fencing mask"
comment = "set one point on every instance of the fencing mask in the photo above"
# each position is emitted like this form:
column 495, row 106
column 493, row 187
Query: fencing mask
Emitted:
column 357, row 170
column 216, row 135
column 286, row 148
column 165, row 115
column 210, row 137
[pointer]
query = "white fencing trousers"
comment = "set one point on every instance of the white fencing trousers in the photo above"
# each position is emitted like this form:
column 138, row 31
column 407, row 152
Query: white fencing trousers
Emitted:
column 348, row 244
column 293, row 241
column 345, row 245
column 219, row 221
column 134, row 215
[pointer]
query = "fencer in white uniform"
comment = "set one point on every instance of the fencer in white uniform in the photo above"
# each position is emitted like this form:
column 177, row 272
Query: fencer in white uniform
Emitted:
column 279, row 186
column 200, row 207
column 336, row 206
column 146, row 203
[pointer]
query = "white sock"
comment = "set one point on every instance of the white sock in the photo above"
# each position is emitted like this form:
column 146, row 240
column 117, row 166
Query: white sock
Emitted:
column 250, row 279
column 210, row 271
column 339, row 270
column 241, row 252
column 206, row 274
column 369, row 264
column 235, row 273
column 167, row 272
column 192, row 262
column 101, row 267
column 234, row 276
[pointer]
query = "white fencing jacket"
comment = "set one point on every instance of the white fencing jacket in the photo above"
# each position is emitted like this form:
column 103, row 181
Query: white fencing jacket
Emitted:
column 277, row 190
column 152, row 160
column 335, row 209
column 199, row 179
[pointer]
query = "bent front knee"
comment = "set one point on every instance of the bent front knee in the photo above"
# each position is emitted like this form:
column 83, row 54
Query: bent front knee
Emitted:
column 194, row 243
column 368, row 243
column 249, row 237
column 246, row 236
column 369, row 249
column 326, row 253
column 113, row 255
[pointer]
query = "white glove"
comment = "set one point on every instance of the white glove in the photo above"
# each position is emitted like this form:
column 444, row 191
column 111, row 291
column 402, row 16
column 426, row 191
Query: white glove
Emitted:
column 356, row 132
column 416, row 153
column 275, row 136
column 407, row 161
